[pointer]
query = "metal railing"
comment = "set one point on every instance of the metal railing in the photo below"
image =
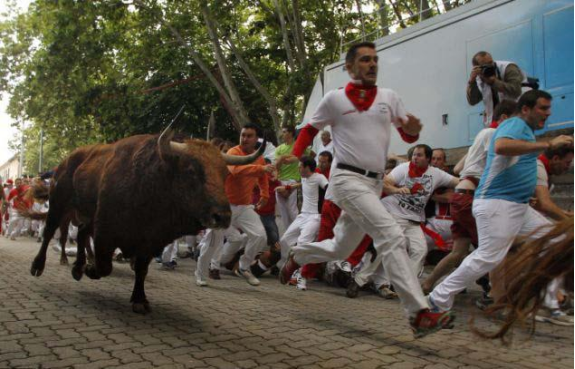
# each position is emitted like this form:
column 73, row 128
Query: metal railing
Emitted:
column 396, row 26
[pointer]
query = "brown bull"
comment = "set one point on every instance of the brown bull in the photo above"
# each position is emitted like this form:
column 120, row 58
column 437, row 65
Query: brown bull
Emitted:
column 138, row 194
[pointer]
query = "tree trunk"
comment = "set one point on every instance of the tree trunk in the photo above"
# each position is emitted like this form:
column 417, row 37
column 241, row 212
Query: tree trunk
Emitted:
column 362, row 20
column 384, row 21
column 272, row 105
column 423, row 9
column 285, row 35
column 225, row 72
column 226, row 99
column 398, row 14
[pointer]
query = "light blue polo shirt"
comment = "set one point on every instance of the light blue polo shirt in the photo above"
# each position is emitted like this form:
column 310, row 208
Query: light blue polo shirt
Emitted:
column 511, row 178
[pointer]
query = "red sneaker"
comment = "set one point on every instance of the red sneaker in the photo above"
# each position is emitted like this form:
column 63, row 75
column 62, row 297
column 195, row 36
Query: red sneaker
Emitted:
column 426, row 322
column 288, row 269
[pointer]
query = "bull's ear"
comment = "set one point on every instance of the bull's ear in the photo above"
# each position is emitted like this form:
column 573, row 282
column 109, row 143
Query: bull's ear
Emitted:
column 164, row 148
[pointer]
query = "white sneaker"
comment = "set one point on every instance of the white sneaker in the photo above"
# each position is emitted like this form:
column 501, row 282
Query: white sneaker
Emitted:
column 301, row 283
column 247, row 274
column 201, row 283
column 555, row 316
column 345, row 266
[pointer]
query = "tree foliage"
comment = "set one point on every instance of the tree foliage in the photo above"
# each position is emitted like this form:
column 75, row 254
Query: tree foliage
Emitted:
column 97, row 71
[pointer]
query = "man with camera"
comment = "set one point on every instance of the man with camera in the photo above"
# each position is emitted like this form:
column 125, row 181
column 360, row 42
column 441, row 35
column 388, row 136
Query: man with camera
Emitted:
column 493, row 81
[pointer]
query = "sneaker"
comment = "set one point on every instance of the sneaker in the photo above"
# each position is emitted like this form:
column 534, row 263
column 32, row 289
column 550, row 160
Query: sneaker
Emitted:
column 386, row 292
column 427, row 322
column 344, row 266
column 554, row 316
column 201, row 283
column 171, row 265
column 215, row 274
column 352, row 289
column 247, row 274
column 484, row 302
column 301, row 283
column 294, row 277
column 432, row 306
column 288, row 269
column 158, row 259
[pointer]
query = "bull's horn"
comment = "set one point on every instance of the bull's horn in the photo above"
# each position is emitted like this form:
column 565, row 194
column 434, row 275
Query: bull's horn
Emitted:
column 164, row 143
column 179, row 147
column 243, row 160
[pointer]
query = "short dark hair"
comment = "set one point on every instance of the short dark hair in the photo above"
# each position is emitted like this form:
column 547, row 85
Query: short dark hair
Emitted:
column 328, row 154
column 253, row 126
column 530, row 98
column 442, row 150
column 505, row 107
column 290, row 129
column 474, row 61
column 561, row 152
column 352, row 52
column 308, row 161
column 428, row 151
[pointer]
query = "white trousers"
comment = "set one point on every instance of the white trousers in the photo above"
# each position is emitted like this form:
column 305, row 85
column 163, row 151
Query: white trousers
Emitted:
column 441, row 227
column 211, row 247
column 363, row 212
column 287, row 207
column 498, row 223
column 304, row 229
column 170, row 252
column 245, row 218
column 15, row 224
column 416, row 249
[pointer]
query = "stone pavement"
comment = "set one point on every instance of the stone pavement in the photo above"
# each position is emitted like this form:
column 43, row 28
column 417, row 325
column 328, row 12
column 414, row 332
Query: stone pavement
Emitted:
column 54, row 321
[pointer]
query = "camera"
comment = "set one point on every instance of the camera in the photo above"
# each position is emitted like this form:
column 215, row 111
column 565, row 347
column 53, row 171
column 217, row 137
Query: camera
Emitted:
column 488, row 70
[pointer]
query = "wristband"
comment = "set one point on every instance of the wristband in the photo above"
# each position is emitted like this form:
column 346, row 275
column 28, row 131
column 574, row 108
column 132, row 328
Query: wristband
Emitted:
column 288, row 187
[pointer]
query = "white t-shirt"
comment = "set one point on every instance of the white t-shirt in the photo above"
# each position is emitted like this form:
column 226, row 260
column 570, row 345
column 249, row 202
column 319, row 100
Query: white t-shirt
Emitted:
column 412, row 206
column 360, row 139
column 542, row 177
column 477, row 154
column 310, row 188
column 321, row 148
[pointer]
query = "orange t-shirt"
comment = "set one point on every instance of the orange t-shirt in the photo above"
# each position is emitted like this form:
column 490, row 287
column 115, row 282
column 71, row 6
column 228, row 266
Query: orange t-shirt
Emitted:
column 243, row 178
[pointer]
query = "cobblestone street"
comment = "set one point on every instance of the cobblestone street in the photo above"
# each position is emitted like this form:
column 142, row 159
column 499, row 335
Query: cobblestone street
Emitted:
column 54, row 321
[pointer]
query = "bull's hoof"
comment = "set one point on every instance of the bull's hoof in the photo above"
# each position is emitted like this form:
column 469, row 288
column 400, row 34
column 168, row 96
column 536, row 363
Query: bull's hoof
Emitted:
column 91, row 272
column 64, row 261
column 77, row 272
column 37, row 267
column 141, row 307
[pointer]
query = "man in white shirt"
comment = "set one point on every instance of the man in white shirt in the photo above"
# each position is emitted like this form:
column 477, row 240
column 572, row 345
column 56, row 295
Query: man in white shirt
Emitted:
column 409, row 186
column 326, row 144
column 361, row 117
column 305, row 227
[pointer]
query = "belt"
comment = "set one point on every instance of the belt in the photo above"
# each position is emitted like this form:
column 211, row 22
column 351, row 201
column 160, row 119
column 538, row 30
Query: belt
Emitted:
column 363, row 172
column 466, row 192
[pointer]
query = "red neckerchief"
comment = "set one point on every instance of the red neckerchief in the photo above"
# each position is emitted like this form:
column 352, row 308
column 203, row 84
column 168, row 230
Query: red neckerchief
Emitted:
column 546, row 164
column 415, row 171
column 494, row 124
column 436, row 237
column 361, row 96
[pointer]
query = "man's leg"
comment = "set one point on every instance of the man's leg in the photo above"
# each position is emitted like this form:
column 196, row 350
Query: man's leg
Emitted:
column 446, row 265
column 416, row 244
column 498, row 222
column 249, row 222
column 210, row 243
